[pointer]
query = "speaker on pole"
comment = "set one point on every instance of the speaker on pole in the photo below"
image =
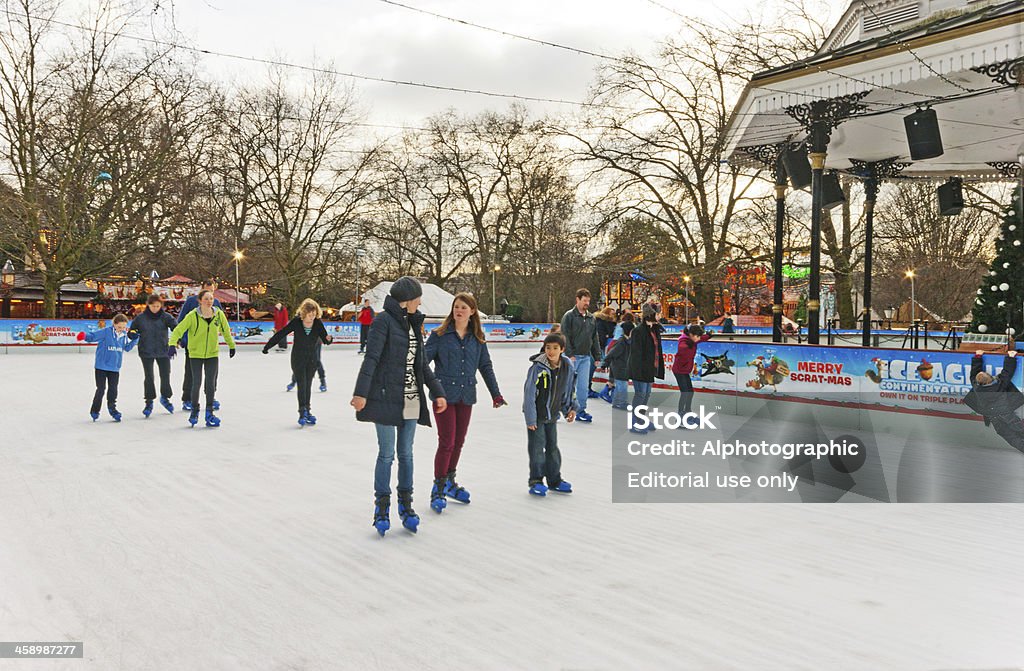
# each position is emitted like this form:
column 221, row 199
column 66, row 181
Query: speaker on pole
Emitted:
column 923, row 134
column 951, row 197
column 798, row 168
column 831, row 191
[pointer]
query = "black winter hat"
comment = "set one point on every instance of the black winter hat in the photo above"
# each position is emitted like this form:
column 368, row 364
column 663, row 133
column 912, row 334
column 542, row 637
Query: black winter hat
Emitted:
column 406, row 289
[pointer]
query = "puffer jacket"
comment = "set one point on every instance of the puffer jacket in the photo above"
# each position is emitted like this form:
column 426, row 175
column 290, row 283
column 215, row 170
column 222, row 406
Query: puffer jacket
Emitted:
column 686, row 351
column 548, row 392
column 456, row 361
column 153, row 330
column 381, row 379
column 1000, row 397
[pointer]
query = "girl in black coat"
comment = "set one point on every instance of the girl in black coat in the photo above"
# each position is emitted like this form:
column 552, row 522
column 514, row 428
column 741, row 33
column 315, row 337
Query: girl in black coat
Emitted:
column 153, row 326
column 645, row 358
column 389, row 392
column 309, row 332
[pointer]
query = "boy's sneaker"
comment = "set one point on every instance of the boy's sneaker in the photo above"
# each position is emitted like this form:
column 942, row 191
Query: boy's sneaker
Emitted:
column 323, row 386
column 562, row 487
column 94, row 415
column 538, row 489
column 584, row 416
column 291, row 385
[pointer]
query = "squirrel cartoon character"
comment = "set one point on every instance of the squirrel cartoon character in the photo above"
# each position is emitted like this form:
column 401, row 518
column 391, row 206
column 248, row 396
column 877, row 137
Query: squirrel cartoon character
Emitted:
column 36, row 333
column 770, row 374
column 880, row 372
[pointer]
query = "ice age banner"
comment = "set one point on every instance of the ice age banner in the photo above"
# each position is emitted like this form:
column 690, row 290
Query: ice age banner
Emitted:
column 932, row 380
column 66, row 331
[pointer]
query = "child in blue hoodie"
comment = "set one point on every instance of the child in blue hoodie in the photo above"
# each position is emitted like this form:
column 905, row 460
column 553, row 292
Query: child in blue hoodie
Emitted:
column 111, row 344
column 550, row 391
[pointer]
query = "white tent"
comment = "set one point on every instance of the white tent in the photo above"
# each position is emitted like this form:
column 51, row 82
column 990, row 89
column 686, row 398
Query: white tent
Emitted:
column 437, row 302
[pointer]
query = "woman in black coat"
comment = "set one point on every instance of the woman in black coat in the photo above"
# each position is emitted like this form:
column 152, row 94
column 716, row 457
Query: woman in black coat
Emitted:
column 645, row 358
column 389, row 392
column 153, row 326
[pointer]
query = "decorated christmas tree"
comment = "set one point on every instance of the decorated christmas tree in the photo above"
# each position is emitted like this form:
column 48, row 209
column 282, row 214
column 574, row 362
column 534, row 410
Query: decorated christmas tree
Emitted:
column 1000, row 301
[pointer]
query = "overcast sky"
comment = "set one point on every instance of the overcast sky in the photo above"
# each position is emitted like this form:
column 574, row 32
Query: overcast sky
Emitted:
column 373, row 38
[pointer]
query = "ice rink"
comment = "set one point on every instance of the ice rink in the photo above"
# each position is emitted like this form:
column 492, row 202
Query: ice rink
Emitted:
column 250, row 547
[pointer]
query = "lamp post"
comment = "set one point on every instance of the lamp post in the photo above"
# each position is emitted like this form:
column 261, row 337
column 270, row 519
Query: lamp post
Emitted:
column 360, row 253
column 686, row 298
column 494, row 300
column 913, row 299
column 238, row 301
column 6, row 287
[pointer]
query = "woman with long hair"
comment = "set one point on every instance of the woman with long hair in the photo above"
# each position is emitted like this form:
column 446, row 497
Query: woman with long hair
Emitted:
column 458, row 349
column 204, row 327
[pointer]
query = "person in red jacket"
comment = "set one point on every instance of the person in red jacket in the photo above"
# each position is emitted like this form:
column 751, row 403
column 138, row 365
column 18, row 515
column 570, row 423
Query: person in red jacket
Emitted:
column 682, row 366
column 280, row 313
column 365, row 319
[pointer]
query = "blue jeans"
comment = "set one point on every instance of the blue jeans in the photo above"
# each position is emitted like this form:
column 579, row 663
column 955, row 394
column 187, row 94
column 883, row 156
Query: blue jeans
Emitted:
column 621, row 394
column 641, row 394
column 545, row 458
column 582, row 366
column 386, row 456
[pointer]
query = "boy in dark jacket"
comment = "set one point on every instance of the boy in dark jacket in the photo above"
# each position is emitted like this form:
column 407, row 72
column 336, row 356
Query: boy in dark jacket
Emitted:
column 389, row 393
column 153, row 326
column 550, row 391
column 996, row 398
column 308, row 332
column 111, row 344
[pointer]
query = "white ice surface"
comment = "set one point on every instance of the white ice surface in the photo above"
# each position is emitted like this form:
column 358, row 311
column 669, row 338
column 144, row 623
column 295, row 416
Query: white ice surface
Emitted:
column 250, row 547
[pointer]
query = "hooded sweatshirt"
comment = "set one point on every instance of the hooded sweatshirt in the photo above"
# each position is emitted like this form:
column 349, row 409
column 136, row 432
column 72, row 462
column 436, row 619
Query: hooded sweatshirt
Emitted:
column 110, row 348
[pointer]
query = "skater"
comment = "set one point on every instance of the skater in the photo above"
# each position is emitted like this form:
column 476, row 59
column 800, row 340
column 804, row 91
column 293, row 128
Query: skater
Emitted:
column 605, row 326
column 111, row 344
column 204, row 326
column 682, row 366
column 457, row 349
column 321, row 374
column 550, row 391
column 309, row 332
column 365, row 319
column 389, row 393
column 728, row 324
column 645, row 359
column 153, row 325
column 996, row 398
column 191, row 303
column 580, row 331
column 617, row 360
column 280, row 313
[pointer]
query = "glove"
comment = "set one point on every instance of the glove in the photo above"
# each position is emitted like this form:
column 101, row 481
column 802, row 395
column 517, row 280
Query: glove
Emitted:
column 231, row 353
column 499, row 401
column 80, row 337
column 172, row 351
column 133, row 335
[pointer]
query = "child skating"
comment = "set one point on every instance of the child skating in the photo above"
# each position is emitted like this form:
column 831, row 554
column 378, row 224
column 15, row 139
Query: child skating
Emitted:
column 389, row 393
column 550, row 391
column 309, row 332
column 204, row 326
column 111, row 344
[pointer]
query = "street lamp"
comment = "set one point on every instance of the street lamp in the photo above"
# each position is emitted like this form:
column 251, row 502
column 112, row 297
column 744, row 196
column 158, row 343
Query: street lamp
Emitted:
column 686, row 299
column 6, row 287
column 238, row 301
column 494, row 300
column 360, row 253
column 913, row 299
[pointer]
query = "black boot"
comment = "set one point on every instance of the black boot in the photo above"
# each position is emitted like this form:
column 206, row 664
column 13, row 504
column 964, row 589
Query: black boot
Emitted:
column 382, row 513
column 410, row 520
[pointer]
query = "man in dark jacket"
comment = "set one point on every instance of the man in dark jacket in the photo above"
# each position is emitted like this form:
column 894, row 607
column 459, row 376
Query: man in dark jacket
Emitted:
column 645, row 358
column 389, row 393
column 153, row 326
column 579, row 328
column 191, row 303
column 996, row 398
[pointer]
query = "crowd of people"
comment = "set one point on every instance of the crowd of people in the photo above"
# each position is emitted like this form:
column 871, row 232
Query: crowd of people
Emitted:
column 408, row 378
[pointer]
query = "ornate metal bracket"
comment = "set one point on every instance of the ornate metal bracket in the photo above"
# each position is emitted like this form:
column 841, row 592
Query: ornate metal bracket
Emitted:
column 768, row 155
column 830, row 111
column 1009, row 169
column 1007, row 73
column 887, row 168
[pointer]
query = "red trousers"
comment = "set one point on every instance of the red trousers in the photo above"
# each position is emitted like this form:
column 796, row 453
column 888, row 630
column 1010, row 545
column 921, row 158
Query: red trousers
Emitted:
column 452, row 425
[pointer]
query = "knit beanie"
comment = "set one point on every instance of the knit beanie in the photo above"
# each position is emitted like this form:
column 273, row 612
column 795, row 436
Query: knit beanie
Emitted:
column 406, row 289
